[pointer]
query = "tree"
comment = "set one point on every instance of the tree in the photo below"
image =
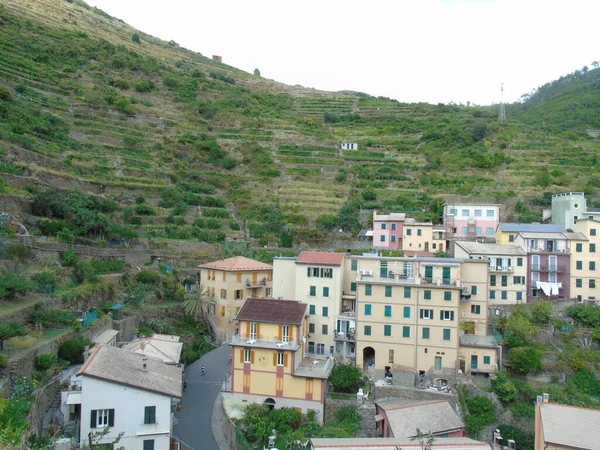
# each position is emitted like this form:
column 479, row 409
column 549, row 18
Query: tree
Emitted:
column 517, row 331
column 136, row 38
column 11, row 285
column 9, row 330
column 197, row 303
column 346, row 378
column 541, row 312
column 525, row 359
column 257, row 72
column 595, row 64
column 72, row 349
column 46, row 281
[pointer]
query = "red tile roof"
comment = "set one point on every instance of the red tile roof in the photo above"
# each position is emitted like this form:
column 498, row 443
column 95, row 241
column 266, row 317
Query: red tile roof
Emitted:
column 272, row 311
column 236, row 264
column 325, row 258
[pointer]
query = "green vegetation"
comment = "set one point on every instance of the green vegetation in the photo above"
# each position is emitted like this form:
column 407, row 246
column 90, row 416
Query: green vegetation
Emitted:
column 346, row 378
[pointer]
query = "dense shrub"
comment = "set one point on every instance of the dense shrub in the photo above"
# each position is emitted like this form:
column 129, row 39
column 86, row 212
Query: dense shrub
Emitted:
column 525, row 359
column 482, row 412
column 72, row 350
column 70, row 259
column 144, row 210
column 11, row 285
column 147, row 277
column 45, row 361
column 144, row 86
column 504, row 388
column 541, row 312
column 222, row 77
column 346, row 378
column 587, row 315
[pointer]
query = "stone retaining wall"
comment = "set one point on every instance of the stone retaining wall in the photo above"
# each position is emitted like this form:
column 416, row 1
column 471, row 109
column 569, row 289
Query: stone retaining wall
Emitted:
column 381, row 392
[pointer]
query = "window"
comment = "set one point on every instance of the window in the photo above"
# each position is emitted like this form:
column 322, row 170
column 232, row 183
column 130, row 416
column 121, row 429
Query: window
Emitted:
column 518, row 280
column 519, row 262
column 311, row 310
column 311, row 327
column 578, row 265
column 388, row 311
column 519, row 296
column 391, row 357
column 408, row 232
column 325, row 292
column 239, row 277
column 354, row 264
column 388, row 291
column 407, row 292
column 320, row 349
column 285, row 333
column 382, row 238
column 504, row 280
column 239, row 294
column 447, row 295
column 478, row 231
column 592, row 265
column 313, row 291
column 446, row 334
column 253, row 330
column 578, row 282
column 393, row 226
column 352, row 287
column 324, row 329
column 592, row 232
column 367, row 330
column 478, row 213
column 325, row 311
column 489, row 213
column 427, row 295
column 592, row 283
column 511, row 238
column 405, row 332
column 280, row 358
column 446, row 315
column 475, row 309
column 224, row 292
column 406, row 313
column 426, row 313
column 429, row 272
column 393, row 238
column 247, row 356
column 148, row 444
column 425, row 334
column 368, row 289
column 102, row 418
column 387, row 330
column 492, row 295
column 492, row 280
column 454, row 212
column 486, row 360
column 473, row 290
column 504, row 295
column 592, row 248
column 465, row 213
column 367, row 310
column 419, row 232
column 489, row 231
column 579, row 248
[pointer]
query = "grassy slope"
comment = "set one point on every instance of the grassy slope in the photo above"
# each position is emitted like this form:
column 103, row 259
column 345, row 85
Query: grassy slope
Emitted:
column 125, row 119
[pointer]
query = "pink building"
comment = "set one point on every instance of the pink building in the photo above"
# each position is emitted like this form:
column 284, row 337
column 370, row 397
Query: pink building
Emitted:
column 388, row 229
column 468, row 220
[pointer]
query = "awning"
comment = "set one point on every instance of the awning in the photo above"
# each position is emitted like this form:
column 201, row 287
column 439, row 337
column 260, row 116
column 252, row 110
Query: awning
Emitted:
column 549, row 288
column 74, row 398
column 378, row 417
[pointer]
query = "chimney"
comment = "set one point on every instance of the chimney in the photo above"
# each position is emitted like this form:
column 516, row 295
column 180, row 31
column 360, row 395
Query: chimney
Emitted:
column 511, row 444
column 546, row 398
column 539, row 399
column 86, row 353
column 145, row 364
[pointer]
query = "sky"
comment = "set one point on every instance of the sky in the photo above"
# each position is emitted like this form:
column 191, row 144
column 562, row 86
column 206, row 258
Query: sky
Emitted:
column 435, row 51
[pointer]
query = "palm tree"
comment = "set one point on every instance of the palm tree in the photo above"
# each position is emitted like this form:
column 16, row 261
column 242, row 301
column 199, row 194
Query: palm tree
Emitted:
column 197, row 303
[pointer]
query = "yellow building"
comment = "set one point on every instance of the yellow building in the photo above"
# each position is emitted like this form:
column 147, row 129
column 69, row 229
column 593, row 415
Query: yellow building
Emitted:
column 565, row 427
column 506, row 233
column 232, row 280
column 585, row 261
column 507, row 266
column 269, row 362
column 409, row 310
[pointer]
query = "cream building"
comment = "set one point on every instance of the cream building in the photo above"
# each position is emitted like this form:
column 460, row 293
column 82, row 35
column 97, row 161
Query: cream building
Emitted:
column 507, row 266
column 232, row 280
column 409, row 310
column 585, row 262
column 423, row 237
column 316, row 278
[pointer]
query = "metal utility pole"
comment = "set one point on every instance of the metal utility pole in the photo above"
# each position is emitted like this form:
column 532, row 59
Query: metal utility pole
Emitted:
column 501, row 110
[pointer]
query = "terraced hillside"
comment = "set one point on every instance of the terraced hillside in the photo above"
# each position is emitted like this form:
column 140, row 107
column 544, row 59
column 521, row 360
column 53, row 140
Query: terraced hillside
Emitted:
column 168, row 144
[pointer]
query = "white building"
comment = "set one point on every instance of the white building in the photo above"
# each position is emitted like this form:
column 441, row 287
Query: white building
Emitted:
column 127, row 392
column 349, row 145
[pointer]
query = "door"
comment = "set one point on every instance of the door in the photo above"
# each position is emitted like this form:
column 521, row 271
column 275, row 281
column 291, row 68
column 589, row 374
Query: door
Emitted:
column 473, row 361
column 438, row 363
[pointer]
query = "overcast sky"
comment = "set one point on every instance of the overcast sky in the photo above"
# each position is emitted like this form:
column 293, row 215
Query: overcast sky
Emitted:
column 410, row 50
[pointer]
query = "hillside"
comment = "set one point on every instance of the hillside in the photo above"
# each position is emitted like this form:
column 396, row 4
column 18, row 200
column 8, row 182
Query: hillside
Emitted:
column 164, row 143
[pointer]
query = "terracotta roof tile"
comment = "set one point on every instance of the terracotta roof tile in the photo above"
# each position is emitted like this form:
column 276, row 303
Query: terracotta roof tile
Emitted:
column 272, row 311
column 325, row 258
column 236, row 264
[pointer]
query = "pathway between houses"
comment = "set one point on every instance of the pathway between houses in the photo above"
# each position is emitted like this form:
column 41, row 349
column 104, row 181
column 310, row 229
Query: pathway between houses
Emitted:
column 194, row 427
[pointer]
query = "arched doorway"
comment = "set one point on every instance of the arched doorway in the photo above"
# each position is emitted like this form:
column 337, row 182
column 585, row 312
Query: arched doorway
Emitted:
column 270, row 403
column 368, row 358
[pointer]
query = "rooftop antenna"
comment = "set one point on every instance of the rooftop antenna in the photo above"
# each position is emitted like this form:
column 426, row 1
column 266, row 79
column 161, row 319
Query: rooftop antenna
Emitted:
column 501, row 110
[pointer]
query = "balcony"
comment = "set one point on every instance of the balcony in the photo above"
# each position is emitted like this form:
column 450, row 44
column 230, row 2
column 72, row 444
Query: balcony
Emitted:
column 436, row 281
column 264, row 342
column 548, row 268
column 391, row 277
column 341, row 336
column 564, row 251
column 256, row 284
column 347, row 314
column 503, row 269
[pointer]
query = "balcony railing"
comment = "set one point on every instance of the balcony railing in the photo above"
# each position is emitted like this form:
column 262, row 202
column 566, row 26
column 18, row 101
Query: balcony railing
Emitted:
column 548, row 268
column 545, row 250
column 341, row 336
column 347, row 313
column 262, row 341
column 507, row 269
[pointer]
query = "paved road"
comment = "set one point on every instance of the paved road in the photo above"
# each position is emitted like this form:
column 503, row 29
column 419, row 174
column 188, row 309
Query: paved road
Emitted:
column 194, row 428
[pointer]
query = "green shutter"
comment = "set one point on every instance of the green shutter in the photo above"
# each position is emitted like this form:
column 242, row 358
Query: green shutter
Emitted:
column 473, row 290
column 407, row 312
column 308, row 271
column 388, row 291
column 368, row 289
column 441, row 315
column 406, row 292
column 451, row 315
column 421, row 313
column 406, row 332
column 425, row 333
column 354, row 264
column 93, row 419
column 427, row 295
column 446, row 334
column 325, row 311
column 311, row 310
column 387, row 330
column 446, row 272
column 367, row 310
column 486, row 360
column 325, row 292
column 367, row 330
column 388, row 310
column 428, row 271
column 111, row 417
column 353, row 287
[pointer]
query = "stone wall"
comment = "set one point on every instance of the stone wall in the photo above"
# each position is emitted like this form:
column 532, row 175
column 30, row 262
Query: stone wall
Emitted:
column 126, row 327
column 44, row 398
column 223, row 428
column 14, row 204
column 381, row 392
